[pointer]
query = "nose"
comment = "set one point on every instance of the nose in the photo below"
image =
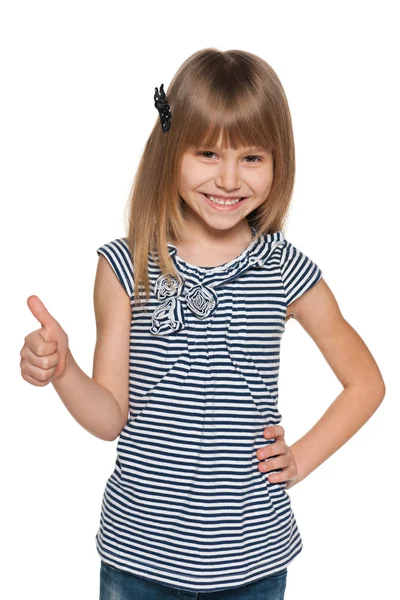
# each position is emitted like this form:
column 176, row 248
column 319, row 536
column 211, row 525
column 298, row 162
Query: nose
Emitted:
column 228, row 176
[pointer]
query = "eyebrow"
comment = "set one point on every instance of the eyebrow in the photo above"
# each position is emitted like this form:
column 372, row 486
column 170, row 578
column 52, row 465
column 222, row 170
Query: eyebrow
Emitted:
column 252, row 149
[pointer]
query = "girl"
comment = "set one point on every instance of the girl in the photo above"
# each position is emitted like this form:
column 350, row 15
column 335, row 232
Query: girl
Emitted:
column 190, row 310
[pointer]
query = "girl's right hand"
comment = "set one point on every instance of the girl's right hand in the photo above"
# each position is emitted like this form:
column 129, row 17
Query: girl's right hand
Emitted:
column 44, row 354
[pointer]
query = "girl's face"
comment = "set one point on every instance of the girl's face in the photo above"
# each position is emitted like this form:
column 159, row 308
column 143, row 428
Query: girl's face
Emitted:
column 226, row 175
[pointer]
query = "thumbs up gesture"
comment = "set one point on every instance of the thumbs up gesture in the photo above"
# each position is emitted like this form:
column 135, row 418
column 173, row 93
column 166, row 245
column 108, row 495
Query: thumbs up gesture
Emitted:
column 44, row 353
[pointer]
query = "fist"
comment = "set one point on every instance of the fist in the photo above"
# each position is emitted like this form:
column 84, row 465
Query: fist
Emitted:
column 44, row 353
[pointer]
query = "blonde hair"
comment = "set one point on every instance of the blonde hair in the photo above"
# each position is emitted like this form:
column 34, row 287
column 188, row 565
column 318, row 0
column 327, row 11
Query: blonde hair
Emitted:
column 235, row 94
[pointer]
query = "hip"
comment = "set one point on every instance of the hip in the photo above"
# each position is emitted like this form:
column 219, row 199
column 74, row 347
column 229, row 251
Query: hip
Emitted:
column 116, row 584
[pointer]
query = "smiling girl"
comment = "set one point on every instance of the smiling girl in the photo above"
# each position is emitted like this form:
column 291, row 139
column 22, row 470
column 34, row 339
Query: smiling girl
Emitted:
column 190, row 308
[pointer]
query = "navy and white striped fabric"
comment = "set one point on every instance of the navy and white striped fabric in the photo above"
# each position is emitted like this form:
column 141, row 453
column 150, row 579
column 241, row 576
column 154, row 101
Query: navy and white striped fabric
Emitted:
column 186, row 505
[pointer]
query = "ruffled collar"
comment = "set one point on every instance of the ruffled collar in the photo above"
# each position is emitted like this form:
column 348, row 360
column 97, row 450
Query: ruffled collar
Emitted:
column 256, row 253
column 197, row 289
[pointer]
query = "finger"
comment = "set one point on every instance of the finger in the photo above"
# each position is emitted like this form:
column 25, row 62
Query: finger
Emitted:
column 40, row 376
column 37, row 345
column 271, row 464
column 273, row 449
column 274, row 431
column 34, row 381
column 42, row 361
column 41, row 313
column 279, row 477
column 283, row 476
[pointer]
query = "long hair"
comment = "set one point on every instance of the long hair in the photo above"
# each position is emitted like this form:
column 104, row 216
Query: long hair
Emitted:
column 235, row 94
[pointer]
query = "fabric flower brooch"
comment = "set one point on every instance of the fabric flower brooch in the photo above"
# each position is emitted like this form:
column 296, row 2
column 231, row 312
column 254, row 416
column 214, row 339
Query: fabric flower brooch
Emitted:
column 201, row 299
column 168, row 317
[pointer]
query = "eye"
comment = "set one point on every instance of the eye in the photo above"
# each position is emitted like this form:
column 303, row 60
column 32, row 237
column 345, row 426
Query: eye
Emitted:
column 203, row 152
column 252, row 156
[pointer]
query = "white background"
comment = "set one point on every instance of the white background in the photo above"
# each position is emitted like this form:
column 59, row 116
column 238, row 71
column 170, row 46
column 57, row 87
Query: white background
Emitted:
column 77, row 106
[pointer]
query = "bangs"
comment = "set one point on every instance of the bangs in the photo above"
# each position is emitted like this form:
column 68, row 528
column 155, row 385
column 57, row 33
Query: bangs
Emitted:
column 230, row 132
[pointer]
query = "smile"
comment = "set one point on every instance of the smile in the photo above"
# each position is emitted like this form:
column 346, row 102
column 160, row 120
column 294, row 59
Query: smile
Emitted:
column 218, row 202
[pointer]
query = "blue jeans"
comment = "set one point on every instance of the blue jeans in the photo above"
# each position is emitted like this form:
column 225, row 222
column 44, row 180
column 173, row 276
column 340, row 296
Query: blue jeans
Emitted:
column 116, row 584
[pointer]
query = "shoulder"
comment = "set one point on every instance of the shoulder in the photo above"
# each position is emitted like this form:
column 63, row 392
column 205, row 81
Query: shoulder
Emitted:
column 118, row 255
column 299, row 271
column 118, row 246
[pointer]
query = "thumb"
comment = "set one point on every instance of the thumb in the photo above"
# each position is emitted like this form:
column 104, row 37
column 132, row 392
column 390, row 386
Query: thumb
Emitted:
column 41, row 313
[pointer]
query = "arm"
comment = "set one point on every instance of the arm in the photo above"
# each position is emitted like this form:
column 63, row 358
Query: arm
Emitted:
column 346, row 353
column 100, row 404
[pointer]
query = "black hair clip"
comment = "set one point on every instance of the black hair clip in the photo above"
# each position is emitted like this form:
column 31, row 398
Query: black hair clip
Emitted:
column 161, row 104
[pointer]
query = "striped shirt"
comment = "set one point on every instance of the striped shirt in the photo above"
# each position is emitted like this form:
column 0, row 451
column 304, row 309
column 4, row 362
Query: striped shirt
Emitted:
column 186, row 505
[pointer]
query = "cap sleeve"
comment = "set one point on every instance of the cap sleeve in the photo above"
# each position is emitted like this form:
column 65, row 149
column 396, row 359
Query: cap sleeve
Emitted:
column 299, row 272
column 119, row 256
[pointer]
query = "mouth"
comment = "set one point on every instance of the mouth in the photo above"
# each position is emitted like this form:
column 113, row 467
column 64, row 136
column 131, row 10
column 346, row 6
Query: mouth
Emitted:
column 223, row 204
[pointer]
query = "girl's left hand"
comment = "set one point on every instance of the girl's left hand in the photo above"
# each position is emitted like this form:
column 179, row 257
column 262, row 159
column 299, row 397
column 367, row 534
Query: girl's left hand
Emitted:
column 283, row 458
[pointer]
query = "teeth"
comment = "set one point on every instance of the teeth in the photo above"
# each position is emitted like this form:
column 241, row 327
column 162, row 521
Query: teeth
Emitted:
column 222, row 202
